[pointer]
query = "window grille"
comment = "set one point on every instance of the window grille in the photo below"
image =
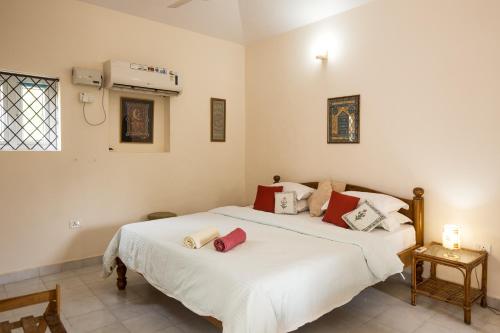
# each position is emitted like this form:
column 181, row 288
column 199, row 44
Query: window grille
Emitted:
column 29, row 113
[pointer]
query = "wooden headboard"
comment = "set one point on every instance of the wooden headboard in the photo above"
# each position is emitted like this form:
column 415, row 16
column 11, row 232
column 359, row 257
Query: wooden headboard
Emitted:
column 415, row 213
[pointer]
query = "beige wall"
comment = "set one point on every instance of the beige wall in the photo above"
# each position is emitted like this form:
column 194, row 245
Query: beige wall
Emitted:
column 429, row 75
column 41, row 192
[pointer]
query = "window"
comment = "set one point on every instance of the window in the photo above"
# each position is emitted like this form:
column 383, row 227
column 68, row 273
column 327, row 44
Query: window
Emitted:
column 29, row 113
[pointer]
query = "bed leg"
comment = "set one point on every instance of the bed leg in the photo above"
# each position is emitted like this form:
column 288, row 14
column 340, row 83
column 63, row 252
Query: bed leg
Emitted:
column 420, row 271
column 121, row 271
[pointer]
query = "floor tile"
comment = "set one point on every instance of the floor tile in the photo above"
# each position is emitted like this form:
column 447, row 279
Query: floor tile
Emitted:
column 172, row 329
column 490, row 328
column 147, row 323
column 112, row 296
column 81, row 305
column 371, row 327
column 403, row 317
column 91, row 321
column 113, row 328
column 65, row 283
column 24, row 287
column 3, row 293
column 133, row 308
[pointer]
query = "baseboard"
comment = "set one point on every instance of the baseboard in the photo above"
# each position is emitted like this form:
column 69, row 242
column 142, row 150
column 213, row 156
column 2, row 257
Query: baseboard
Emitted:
column 49, row 269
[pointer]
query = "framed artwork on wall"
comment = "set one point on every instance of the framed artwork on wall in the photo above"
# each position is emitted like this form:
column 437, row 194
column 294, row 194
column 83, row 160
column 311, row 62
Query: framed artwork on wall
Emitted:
column 343, row 119
column 217, row 120
column 137, row 120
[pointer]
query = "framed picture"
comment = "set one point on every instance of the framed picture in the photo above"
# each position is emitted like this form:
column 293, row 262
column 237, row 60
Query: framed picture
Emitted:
column 217, row 120
column 343, row 119
column 137, row 120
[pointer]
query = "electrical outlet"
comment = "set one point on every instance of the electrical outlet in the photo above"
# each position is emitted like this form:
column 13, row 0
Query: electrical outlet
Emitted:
column 86, row 98
column 483, row 247
column 74, row 224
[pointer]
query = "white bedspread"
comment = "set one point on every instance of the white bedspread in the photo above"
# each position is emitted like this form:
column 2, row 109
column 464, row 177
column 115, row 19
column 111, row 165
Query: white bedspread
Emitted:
column 289, row 272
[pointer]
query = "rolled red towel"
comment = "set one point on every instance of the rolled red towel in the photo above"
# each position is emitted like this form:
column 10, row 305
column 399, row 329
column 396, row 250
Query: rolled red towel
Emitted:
column 232, row 239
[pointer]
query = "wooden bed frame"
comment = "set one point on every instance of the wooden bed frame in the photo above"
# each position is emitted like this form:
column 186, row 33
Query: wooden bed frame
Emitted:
column 415, row 213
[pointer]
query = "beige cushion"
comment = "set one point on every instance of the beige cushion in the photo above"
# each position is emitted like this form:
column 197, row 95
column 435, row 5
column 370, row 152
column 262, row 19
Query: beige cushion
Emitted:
column 319, row 197
column 338, row 186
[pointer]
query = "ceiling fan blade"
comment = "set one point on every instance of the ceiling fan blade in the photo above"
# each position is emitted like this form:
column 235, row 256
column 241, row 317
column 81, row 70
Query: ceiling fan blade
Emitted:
column 178, row 3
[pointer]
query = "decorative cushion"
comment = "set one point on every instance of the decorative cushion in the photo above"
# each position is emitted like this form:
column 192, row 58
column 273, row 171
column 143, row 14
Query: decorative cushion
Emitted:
column 302, row 205
column 285, row 202
column 385, row 203
column 264, row 200
column 338, row 186
column 319, row 197
column 364, row 218
column 303, row 192
column 340, row 204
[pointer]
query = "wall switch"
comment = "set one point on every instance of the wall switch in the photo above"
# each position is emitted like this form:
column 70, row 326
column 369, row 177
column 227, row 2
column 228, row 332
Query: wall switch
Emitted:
column 86, row 98
column 483, row 247
column 74, row 224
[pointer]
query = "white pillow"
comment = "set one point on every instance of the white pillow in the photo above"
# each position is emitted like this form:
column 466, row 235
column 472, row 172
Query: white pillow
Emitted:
column 400, row 218
column 303, row 192
column 383, row 202
column 390, row 223
column 285, row 203
column 394, row 220
column 302, row 205
column 364, row 218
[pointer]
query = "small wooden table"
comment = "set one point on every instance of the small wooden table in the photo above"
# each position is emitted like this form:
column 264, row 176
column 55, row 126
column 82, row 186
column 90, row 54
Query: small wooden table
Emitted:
column 465, row 261
column 161, row 215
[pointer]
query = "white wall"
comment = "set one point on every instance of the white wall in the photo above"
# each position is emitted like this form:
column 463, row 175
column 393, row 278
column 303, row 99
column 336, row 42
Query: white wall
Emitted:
column 40, row 192
column 429, row 75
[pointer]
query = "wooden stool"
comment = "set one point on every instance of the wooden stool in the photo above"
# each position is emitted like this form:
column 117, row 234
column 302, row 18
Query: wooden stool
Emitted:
column 50, row 319
column 161, row 215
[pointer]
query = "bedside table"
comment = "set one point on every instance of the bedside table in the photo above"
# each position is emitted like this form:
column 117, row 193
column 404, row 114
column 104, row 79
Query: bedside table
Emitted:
column 161, row 215
column 461, row 295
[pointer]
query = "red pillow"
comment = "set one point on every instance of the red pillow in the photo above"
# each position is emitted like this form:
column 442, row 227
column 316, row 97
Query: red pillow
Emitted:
column 339, row 205
column 265, row 198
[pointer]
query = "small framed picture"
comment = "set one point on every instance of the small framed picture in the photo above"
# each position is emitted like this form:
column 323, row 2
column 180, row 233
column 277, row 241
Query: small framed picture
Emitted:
column 217, row 120
column 343, row 119
column 137, row 120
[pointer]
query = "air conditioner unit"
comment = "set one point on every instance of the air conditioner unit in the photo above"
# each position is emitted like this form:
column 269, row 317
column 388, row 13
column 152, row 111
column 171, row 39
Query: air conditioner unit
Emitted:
column 122, row 75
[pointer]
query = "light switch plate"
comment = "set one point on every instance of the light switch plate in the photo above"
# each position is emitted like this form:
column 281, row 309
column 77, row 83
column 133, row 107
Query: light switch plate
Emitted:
column 86, row 98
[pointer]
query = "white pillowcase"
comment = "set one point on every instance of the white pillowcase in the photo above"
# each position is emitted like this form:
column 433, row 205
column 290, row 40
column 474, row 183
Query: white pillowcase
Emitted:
column 303, row 192
column 390, row 223
column 400, row 218
column 383, row 202
column 302, row 205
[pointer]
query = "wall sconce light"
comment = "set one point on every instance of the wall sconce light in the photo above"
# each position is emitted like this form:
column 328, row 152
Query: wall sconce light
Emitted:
column 451, row 239
column 323, row 56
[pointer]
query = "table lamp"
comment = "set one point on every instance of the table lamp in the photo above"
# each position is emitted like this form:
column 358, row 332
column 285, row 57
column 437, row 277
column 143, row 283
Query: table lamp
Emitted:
column 451, row 240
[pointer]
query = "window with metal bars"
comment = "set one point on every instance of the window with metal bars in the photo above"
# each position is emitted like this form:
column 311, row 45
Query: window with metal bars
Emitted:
column 29, row 113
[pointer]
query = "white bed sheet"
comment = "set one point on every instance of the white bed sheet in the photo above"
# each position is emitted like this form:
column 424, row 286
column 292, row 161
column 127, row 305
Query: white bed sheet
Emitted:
column 290, row 271
column 398, row 240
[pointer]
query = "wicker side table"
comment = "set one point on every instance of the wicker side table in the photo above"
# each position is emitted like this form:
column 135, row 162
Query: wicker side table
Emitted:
column 161, row 215
column 465, row 262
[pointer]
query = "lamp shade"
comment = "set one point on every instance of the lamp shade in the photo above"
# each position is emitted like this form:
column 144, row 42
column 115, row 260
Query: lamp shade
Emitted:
column 451, row 236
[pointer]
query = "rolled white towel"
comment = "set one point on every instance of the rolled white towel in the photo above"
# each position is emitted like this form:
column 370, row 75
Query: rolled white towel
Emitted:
column 200, row 238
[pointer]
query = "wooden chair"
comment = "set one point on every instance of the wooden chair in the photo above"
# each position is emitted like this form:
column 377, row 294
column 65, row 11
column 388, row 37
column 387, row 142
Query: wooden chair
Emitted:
column 50, row 319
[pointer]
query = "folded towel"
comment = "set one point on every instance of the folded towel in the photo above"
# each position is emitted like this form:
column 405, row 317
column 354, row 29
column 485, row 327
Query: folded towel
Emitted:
column 232, row 239
column 200, row 238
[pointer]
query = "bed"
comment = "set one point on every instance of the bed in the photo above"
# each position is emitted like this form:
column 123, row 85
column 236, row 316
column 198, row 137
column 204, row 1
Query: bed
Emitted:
column 292, row 270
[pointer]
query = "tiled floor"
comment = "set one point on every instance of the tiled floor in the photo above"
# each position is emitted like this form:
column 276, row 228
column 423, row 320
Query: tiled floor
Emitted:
column 91, row 304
